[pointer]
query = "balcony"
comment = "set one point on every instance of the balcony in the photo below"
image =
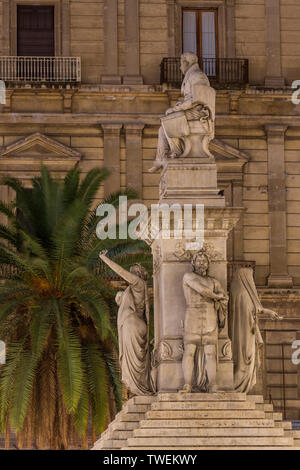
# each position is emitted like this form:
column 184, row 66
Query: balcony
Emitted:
column 222, row 73
column 40, row 69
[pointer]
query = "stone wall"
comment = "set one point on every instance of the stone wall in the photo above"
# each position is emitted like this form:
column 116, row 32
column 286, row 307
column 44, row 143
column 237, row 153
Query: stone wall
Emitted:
column 251, row 36
column 87, row 34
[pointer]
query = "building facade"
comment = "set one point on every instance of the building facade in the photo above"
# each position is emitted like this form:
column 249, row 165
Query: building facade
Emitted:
column 86, row 81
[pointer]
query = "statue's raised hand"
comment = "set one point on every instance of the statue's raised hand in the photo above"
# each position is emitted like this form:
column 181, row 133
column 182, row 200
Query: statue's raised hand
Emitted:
column 103, row 253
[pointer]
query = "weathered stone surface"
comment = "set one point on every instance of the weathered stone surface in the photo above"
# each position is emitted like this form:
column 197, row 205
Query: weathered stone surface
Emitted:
column 257, row 427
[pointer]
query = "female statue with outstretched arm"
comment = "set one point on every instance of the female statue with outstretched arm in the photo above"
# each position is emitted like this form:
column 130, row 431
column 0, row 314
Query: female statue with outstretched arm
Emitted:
column 133, row 327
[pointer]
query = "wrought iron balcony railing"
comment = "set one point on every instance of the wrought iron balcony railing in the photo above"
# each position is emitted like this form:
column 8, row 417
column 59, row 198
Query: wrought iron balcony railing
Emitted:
column 40, row 69
column 219, row 71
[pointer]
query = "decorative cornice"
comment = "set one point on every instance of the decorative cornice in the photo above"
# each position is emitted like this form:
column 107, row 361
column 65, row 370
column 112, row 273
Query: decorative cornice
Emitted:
column 111, row 128
column 276, row 129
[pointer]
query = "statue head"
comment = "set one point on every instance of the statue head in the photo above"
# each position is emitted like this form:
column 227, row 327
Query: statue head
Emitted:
column 187, row 60
column 139, row 271
column 200, row 263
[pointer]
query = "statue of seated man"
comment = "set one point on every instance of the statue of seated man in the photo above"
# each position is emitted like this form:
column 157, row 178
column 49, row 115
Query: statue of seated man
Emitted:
column 188, row 127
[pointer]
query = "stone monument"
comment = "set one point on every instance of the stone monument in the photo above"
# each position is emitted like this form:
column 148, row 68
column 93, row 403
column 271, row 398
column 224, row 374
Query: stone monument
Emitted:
column 189, row 176
column 192, row 349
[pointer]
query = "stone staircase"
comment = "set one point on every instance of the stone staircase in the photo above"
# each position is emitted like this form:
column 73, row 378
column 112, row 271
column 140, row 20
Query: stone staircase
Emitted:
column 201, row 421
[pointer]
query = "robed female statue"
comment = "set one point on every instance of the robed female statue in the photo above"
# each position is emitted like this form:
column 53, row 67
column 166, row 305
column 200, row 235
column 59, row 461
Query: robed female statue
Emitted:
column 133, row 327
column 245, row 307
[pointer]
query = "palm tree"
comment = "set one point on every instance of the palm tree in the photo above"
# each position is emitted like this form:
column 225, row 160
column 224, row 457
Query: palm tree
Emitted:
column 57, row 315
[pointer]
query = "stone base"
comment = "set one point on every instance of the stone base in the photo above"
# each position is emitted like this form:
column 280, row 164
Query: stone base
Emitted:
column 133, row 80
column 274, row 82
column 111, row 79
column 216, row 421
column 280, row 280
column 190, row 180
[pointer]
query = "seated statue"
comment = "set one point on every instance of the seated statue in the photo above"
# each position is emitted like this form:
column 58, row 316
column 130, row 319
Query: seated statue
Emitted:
column 188, row 127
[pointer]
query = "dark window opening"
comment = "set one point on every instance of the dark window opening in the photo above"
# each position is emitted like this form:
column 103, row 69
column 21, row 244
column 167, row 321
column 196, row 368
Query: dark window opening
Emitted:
column 35, row 31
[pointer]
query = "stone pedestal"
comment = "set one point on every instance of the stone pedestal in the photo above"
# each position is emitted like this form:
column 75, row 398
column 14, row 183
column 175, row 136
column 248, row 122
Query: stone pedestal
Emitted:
column 188, row 181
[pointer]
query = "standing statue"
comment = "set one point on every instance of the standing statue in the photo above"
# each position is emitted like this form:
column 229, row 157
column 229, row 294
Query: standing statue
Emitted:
column 133, row 327
column 244, row 332
column 206, row 310
column 188, row 127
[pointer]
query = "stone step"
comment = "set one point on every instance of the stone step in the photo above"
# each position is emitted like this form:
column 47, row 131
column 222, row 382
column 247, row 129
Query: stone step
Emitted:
column 206, row 414
column 207, row 423
column 123, row 426
column 255, row 398
column 118, row 434
column 141, row 400
column 208, row 432
column 133, row 408
column 289, row 433
column 131, row 416
column 283, row 424
column 265, row 407
column 110, row 444
column 275, row 416
column 219, row 396
column 204, row 405
column 210, row 441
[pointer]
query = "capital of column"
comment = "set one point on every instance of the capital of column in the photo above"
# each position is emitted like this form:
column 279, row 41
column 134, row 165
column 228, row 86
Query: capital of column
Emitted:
column 275, row 129
column 134, row 128
column 110, row 128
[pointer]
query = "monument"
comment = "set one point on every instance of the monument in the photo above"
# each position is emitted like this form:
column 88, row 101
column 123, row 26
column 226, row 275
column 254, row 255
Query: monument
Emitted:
column 189, row 176
column 193, row 400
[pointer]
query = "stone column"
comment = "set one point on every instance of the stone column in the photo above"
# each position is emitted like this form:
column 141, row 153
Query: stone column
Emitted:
column 188, row 181
column 111, row 151
column 134, row 157
column 230, row 28
column 238, row 235
column 279, row 276
column 273, row 73
column 66, row 28
column 5, row 28
column 171, row 27
column 132, row 43
column 111, row 43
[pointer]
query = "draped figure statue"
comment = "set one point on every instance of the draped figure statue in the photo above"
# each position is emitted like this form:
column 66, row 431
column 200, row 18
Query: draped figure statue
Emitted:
column 133, row 328
column 246, row 338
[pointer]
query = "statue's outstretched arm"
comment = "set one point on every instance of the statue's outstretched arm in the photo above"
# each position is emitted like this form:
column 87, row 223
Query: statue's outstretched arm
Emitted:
column 123, row 273
column 273, row 315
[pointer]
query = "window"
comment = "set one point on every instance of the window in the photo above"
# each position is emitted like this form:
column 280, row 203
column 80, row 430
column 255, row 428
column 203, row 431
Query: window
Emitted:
column 200, row 36
column 35, row 30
